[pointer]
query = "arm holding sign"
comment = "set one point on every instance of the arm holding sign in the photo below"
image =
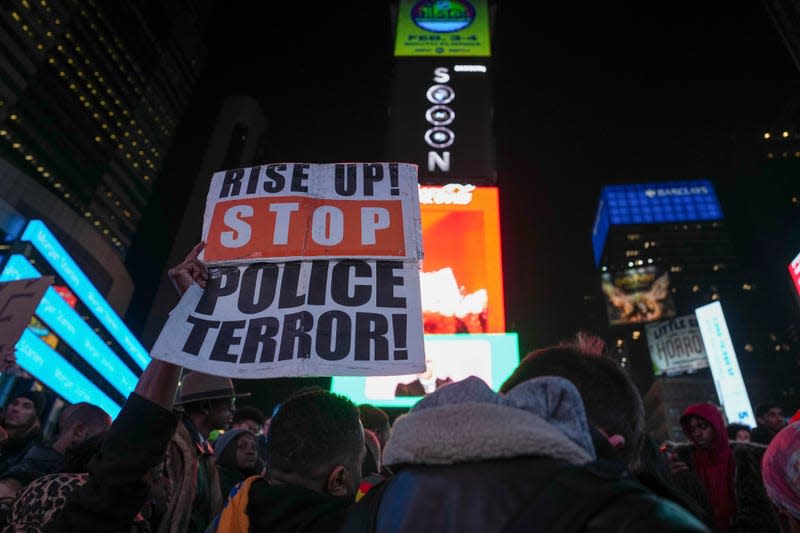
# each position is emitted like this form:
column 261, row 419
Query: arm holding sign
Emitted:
column 122, row 477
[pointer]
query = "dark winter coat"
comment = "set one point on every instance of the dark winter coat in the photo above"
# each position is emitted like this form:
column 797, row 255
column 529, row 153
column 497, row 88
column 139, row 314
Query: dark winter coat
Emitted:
column 256, row 506
column 39, row 461
column 753, row 509
column 118, row 486
column 468, row 459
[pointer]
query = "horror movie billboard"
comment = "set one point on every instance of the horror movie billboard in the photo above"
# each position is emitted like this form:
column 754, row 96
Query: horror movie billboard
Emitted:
column 676, row 346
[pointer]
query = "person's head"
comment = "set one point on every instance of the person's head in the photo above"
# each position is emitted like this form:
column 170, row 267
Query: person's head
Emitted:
column 372, row 458
column 738, row 432
column 703, row 425
column 66, row 412
column 377, row 421
column 613, row 405
column 249, row 418
column 770, row 415
column 781, row 474
column 236, row 448
column 23, row 410
column 77, row 457
column 316, row 440
column 85, row 422
column 209, row 401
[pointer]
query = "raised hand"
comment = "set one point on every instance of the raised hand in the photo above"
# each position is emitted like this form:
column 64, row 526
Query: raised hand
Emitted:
column 191, row 270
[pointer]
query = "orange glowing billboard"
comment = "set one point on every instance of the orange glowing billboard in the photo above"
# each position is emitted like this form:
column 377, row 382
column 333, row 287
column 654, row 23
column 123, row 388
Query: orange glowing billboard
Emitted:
column 462, row 271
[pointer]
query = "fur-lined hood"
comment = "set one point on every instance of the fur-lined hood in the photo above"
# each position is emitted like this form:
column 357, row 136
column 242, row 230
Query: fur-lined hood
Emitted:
column 467, row 422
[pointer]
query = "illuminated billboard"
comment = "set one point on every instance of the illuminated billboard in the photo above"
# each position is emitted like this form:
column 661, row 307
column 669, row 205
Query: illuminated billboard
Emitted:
column 449, row 358
column 676, row 346
column 437, row 28
column 637, row 295
column 653, row 203
column 794, row 272
column 462, row 272
column 48, row 246
column 442, row 120
column 72, row 329
column 724, row 365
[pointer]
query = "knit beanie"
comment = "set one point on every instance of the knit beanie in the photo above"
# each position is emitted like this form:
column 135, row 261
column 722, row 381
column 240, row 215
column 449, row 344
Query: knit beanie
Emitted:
column 36, row 397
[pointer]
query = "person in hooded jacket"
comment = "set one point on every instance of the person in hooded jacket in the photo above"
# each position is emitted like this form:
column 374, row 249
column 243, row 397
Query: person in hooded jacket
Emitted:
column 468, row 459
column 237, row 458
column 725, row 477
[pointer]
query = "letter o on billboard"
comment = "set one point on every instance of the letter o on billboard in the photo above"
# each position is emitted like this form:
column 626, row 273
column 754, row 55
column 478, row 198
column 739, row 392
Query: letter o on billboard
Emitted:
column 440, row 115
column 440, row 94
column 439, row 137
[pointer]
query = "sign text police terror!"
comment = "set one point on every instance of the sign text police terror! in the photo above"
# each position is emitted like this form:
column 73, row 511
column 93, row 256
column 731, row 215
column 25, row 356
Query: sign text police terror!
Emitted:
column 314, row 272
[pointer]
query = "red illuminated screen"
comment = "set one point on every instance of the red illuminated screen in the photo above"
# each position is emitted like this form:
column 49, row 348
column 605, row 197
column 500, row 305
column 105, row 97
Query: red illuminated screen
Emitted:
column 794, row 270
column 462, row 272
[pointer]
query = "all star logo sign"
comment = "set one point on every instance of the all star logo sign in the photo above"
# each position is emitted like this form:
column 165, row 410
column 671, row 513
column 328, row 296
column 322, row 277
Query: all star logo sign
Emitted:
column 443, row 16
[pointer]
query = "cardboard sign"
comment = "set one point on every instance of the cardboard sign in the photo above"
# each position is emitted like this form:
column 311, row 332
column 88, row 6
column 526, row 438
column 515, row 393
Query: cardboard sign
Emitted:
column 18, row 301
column 349, row 306
column 302, row 211
column 676, row 346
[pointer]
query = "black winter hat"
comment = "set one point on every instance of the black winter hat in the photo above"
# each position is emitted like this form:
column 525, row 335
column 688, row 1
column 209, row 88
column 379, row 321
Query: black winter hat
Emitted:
column 36, row 397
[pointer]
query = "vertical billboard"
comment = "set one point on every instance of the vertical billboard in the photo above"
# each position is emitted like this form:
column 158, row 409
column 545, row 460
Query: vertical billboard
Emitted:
column 794, row 272
column 462, row 271
column 441, row 120
column 676, row 346
column 463, row 311
column 442, row 28
column 724, row 365
column 637, row 295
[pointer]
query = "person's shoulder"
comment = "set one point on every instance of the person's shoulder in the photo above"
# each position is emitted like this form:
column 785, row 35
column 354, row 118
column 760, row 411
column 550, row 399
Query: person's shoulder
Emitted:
column 645, row 511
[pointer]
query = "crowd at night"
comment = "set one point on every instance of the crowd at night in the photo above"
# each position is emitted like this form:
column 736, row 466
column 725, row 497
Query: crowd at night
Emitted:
column 415, row 265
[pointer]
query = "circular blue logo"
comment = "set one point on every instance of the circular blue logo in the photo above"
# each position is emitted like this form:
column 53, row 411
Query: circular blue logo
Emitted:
column 442, row 16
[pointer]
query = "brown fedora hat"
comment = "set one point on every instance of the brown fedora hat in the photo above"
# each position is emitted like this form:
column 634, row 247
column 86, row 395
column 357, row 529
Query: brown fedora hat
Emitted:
column 197, row 387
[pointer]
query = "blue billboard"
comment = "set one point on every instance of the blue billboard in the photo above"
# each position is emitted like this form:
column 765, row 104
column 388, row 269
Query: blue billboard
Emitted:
column 47, row 365
column 653, row 203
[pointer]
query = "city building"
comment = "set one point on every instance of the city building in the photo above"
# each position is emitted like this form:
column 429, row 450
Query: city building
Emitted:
column 663, row 250
column 90, row 97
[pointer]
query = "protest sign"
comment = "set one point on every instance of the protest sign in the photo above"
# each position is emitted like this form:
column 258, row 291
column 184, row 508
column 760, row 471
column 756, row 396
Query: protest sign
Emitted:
column 18, row 301
column 676, row 346
column 312, row 274
column 300, row 211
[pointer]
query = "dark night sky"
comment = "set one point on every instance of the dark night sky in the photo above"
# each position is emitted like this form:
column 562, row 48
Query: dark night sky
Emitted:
column 583, row 96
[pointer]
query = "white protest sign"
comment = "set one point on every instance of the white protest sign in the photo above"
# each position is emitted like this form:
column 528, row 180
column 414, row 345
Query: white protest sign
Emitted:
column 676, row 346
column 298, row 211
column 316, row 274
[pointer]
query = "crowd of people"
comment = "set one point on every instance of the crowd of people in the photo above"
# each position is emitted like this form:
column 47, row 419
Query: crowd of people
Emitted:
column 561, row 447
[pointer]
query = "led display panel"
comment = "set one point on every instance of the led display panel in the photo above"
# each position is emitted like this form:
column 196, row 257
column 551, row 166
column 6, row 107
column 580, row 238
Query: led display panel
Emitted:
column 794, row 272
column 48, row 246
column 62, row 378
column 70, row 327
column 442, row 120
column 449, row 358
column 637, row 295
column 724, row 365
column 653, row 203
column 436, row 28
column 462, row 271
